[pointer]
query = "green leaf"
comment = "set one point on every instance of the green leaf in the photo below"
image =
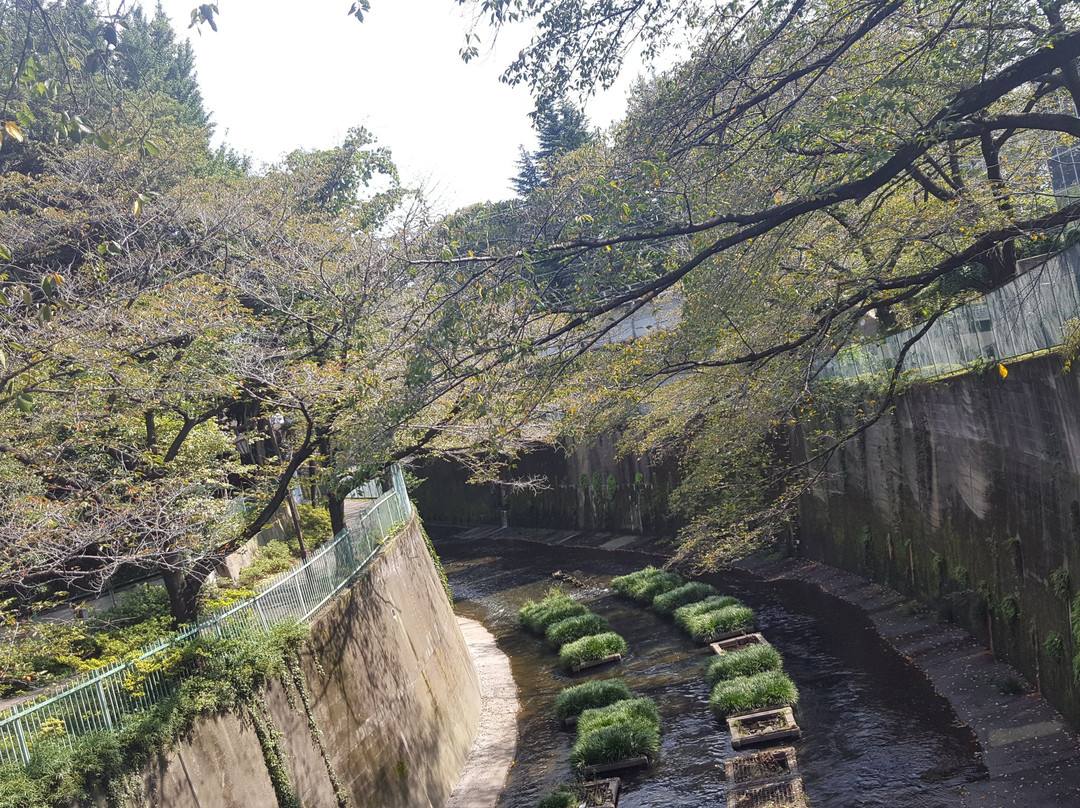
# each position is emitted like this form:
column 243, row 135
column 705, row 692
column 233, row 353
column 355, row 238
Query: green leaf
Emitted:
column 5, row 253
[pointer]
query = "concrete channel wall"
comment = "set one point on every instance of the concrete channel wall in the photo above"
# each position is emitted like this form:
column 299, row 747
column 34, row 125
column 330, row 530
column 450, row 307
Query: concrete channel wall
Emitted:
column 967, row 497
column 394, row 695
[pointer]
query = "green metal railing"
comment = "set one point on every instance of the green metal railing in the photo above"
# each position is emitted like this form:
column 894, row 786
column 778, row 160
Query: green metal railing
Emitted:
column 99, row 700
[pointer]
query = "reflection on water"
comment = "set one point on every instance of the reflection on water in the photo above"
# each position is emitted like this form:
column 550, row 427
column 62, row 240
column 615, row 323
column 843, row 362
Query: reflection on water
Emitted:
column 874, row 731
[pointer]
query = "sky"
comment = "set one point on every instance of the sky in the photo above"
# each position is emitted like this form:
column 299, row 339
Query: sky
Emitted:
column 278, row 76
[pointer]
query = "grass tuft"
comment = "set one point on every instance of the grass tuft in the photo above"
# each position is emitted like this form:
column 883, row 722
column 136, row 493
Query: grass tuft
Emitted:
column 619, row 712
column 594, row 646
column 710, row 604
column 646, row 584
column 574, row 628
column 636, row 737
column 704, row 627
column 768, row 689
column 748, row 661
column 588, row 695
column 669, row 601
column 555, row 606
column 560, row 799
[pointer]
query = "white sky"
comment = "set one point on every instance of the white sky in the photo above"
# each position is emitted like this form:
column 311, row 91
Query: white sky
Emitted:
column 284, row 75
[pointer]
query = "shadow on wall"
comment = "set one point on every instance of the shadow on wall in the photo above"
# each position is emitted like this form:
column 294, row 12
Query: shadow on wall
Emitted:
column 394, row 701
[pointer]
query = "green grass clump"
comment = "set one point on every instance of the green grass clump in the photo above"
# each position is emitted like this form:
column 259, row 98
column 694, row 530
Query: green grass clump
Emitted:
column 768, row 689
column 646, row 584
column 704, row 627
column 669, row 601
column 574, row 628
column 560, row 799
column 710, row 604
column 636, row 737
column 588, row 695
column 555, row 606
column 748, row 661
column 594, row 646
column 618, row 712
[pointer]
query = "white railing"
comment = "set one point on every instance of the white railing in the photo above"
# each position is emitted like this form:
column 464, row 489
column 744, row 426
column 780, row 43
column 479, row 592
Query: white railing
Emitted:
column 1024, row 316
column 99, row 700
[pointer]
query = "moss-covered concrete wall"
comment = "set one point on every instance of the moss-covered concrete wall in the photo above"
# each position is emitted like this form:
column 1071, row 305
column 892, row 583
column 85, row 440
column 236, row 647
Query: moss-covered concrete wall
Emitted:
column 392, row 691
column 590, row 488
column 968, row 497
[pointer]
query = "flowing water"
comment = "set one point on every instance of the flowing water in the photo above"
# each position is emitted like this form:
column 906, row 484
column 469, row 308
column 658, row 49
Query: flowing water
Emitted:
column 875, row 733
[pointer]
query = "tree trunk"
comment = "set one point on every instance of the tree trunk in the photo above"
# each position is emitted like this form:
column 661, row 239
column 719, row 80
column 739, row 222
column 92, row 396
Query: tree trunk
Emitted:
column 335, row 503
column 183, row 586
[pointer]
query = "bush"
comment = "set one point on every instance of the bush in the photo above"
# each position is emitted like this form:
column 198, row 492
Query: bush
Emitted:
column 646, row 584
column 560, row 799
column 555, row 606
column 574, row 628
column 669, row 601
column 746, row 662
column 768, row 689
column 711, row 604
column 619, row 712
column 270, row 559
column 597, row 693
column 704, row 627
column 587, row 649
column 634, row 738
column 314, row 524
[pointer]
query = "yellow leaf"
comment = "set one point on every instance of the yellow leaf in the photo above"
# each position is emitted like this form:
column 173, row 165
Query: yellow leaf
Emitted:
column 1004, row 371
column 13, row 129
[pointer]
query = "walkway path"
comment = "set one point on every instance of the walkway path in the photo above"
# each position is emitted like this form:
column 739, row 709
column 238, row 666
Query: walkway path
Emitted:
column 493, row 751
column 1031, row 755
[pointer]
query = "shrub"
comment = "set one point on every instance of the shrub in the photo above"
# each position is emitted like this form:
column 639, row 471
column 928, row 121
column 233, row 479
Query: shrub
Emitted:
column 634, row 738
column 704, row 627
column 768, row 689
column 574, row 628
column 669, row 601
column 710, row 604
column 597, row 693
column 555, row 606
column 587, row 649
column 619, row 712
column 560, row 799
column 314, row 524
column 270, row 559
column 1054, row 645
column 746, row 662
column 646, row 584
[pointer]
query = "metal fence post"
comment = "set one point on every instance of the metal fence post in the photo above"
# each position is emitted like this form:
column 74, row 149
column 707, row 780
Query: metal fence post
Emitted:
column 104, row 704
column 24, row 748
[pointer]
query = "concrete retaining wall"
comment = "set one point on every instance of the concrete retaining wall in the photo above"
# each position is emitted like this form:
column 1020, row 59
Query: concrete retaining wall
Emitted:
column 394, row 694
column 968, row 497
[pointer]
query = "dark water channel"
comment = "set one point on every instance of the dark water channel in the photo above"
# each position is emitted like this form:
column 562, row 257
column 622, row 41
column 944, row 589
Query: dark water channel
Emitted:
column 874, row 731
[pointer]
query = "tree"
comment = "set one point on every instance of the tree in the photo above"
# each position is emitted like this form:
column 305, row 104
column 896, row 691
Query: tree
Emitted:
column 560, row 127
column 810, row 163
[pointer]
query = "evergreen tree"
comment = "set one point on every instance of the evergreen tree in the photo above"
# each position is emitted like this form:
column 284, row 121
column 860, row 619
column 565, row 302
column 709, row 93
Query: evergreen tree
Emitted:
column 560, row 127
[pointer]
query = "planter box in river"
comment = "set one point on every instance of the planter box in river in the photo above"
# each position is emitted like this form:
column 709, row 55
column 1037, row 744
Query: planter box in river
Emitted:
column 756, row 767
column 618, row 765
column 593, row 663
column 784, row 794
column 762, row 726
column 737, row 643
column 599, row 793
